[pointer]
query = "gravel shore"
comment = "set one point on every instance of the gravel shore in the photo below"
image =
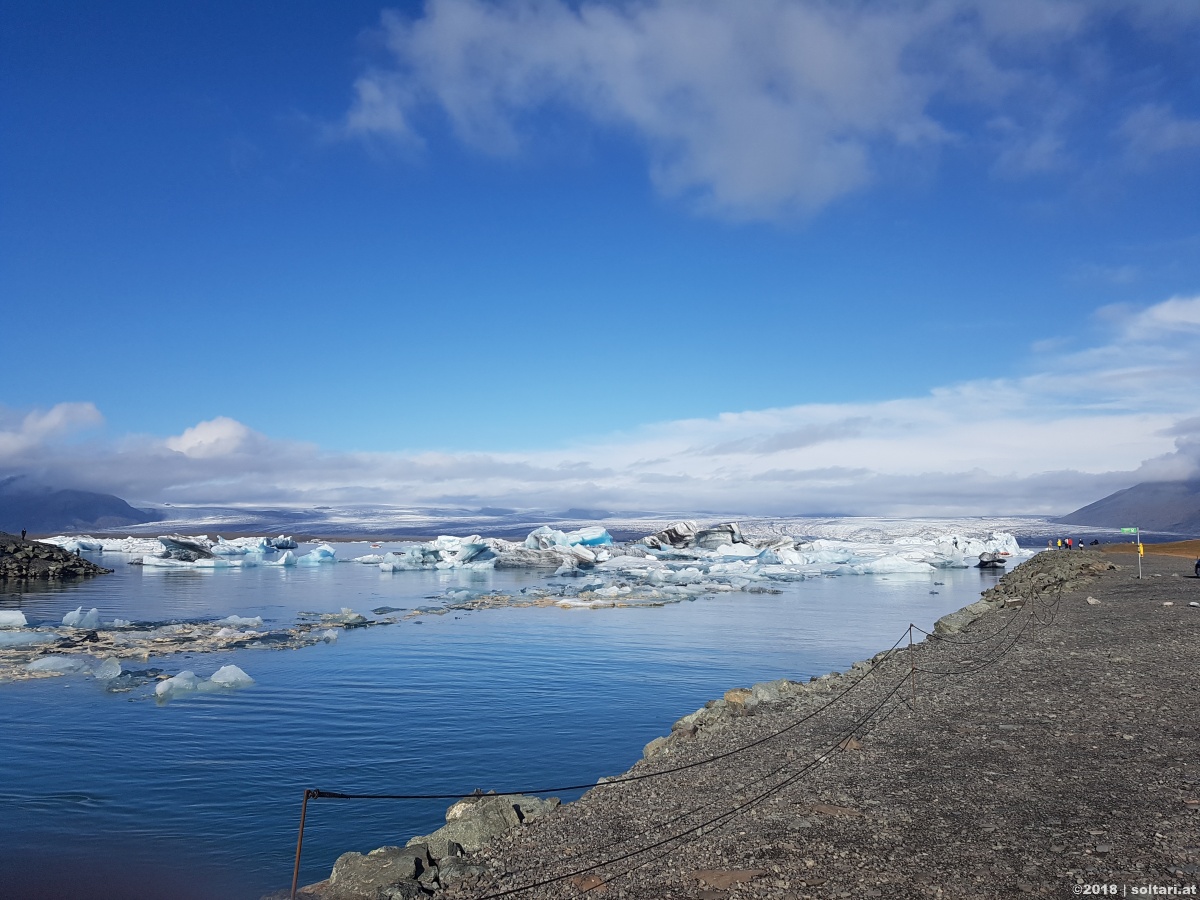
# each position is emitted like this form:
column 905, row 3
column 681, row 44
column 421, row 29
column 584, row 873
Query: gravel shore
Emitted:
column 1062, row 752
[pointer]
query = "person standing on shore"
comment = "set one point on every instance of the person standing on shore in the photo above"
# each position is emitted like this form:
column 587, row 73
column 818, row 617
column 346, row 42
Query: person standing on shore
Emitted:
column 22, row 534
column 1068, row 543
column 1198, row 568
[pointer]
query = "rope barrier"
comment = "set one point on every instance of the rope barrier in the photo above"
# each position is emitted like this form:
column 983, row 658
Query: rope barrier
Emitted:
column 718, row 821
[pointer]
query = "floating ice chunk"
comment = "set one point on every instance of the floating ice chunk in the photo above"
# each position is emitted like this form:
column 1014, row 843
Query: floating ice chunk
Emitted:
column 12, row 618
column 241, row 621
column 183, row 683
column 889, row 565
column 281, row 543
column 322, row 553
column 56, row 664
column 121, row 623
column 329, row 635
column 231, row 677
column 13, row 639
column 109, row 669
column 371, row 559
column 591, row 536
column 288, row 559
column 79, row 619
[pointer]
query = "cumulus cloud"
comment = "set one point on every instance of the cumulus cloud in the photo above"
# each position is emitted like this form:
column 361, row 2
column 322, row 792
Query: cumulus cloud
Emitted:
column 759, row 110
column 1080, row 427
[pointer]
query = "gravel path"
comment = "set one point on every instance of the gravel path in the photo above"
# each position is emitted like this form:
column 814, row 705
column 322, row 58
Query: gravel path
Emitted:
column 1062, row 753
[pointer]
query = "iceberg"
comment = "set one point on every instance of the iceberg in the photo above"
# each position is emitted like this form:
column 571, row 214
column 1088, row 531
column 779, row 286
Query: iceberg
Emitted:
column 319, row 555
column 288, row 559
column 77, row 618
column 12, row 618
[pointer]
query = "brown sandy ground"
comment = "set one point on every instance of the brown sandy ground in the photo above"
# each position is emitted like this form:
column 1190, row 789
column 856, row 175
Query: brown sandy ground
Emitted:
column 1190, row 549
column 1063, row 752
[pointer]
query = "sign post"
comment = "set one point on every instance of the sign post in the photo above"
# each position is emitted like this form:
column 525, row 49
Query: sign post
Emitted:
column 1140, row 551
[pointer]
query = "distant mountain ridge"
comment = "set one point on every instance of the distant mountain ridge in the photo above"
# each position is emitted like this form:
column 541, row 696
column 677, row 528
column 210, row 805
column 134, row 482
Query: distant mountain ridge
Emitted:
column 42, row 510
column 1152, row 506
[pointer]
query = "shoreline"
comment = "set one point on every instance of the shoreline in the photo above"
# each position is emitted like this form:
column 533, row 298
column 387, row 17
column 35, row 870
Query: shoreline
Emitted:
column 793, row 868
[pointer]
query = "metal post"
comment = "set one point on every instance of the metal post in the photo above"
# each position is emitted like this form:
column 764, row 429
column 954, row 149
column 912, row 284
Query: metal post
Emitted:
column 912, row 673
column 1139, row 543
column 308, row 792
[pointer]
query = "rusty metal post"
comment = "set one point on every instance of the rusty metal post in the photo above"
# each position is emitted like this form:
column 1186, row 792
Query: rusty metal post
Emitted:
column 308, row 792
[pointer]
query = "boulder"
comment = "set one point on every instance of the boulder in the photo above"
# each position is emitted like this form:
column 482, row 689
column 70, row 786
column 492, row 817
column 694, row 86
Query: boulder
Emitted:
column 473, row 821
column 357, row 875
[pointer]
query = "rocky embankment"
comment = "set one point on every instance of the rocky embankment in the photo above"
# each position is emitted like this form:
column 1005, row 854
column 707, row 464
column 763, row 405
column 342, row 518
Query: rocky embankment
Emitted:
column 1042, row 739
column 21, row 559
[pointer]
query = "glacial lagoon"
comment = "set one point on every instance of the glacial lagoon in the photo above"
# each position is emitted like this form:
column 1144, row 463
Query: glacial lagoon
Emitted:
column 118, row 793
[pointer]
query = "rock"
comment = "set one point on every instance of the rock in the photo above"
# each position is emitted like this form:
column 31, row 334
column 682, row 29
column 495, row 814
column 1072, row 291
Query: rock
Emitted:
column 1092, row 601
column 654, row 748
column 479, row 819
column 357, row 875
column 454, row 872
column 24, row 560
column 403, row 890
column 954, row 622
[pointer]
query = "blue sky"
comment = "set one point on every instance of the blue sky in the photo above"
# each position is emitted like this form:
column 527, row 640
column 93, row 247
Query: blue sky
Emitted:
column 541, row 253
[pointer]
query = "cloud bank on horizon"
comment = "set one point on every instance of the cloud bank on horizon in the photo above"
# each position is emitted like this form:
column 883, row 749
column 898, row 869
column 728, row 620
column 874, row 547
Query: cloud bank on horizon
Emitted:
column 1080, row 427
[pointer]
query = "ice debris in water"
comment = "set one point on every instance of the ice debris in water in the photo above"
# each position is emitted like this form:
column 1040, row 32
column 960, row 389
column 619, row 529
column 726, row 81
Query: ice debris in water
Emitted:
column 121, row 623
column 56, row 664
column 186, row 682
column 14, row 640
column 329, row 635
column 241, row 621
column 12, row 618
column 320, row 554
column 109, row 669
column 231, row 677
column 77, row 618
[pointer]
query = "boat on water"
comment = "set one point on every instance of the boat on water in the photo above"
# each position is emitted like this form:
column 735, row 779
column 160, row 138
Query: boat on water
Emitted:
column 992, row 560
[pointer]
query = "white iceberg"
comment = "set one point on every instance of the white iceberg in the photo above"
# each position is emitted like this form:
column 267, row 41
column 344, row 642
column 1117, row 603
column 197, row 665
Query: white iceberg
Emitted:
column 77, row 618
column 288, row 559
column 12, row 618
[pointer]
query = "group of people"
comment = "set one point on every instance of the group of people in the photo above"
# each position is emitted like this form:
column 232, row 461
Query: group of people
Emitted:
column 1063, row 544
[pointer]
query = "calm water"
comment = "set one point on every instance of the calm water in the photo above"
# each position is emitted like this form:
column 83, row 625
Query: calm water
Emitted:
column 113, row 795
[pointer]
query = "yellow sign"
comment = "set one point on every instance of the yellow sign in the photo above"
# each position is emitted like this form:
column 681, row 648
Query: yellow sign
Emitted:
column 1141, row 549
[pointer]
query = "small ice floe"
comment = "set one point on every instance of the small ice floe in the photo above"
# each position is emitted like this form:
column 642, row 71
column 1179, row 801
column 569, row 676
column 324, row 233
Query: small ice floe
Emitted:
column 108, row 669
column 56, row 664
column 241, row 621
column 12, row 618
column 288, row 559
column 121, row 623
column 317, row 556
column 187, row 682
column 77, row 618
column 329, row 635
column 20, row 640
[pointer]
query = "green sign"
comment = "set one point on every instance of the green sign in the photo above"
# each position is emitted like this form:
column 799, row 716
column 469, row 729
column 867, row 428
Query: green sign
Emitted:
column 1128, row 531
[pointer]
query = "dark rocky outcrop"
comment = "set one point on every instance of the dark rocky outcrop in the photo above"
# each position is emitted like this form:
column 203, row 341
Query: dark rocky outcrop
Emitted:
column 22, row 560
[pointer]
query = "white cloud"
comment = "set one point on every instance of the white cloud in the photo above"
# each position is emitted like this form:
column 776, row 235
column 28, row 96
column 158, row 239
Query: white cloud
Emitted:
column 217, row 437
column 1154, row 129
column 767, row 109
column 20, row 434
